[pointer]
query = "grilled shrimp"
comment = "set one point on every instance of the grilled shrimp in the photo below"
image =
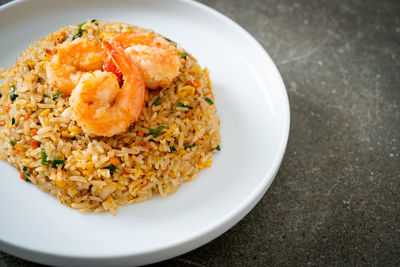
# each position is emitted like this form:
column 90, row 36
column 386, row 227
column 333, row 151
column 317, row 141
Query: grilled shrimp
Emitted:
column 71, row 61
column 100, row 106
column 156, row 58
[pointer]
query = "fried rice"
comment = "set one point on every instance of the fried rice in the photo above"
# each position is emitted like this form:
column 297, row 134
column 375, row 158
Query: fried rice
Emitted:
column 173, row 139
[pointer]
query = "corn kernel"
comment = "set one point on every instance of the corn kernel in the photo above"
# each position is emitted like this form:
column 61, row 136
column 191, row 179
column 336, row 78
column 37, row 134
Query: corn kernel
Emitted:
column 65, row 134
column 45, row 113
column 89, row 166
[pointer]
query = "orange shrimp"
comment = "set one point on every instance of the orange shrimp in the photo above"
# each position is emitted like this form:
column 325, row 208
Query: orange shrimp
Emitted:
column 100, row 106
column 155, row 57
column 71, row 61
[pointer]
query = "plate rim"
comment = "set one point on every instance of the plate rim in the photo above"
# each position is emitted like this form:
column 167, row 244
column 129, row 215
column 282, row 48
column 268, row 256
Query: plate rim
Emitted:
column 211, row 231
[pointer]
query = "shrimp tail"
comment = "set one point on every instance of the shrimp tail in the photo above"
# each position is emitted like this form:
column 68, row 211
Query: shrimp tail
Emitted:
column 130, row 73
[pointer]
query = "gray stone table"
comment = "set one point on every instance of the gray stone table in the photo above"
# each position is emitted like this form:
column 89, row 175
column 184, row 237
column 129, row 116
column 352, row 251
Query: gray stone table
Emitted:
column 336, row 197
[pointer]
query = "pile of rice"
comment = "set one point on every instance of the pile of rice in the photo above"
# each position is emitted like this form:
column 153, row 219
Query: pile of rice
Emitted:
column 175, row 136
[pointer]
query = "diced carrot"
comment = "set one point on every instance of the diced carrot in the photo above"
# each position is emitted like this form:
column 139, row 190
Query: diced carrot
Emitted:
column 34, row 144
column 27, row 115
column 48, row 51
column 16, row 152
column 189, row 113
column 7, row 108
column 197, row 83
column 148, row 145
column 34, row 131
column 22, row 175
column 140, row 133
column 114, row 160
column 185, row 62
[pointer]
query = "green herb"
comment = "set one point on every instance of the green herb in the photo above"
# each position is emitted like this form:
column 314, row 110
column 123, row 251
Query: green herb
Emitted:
column 57, row 162
column 172, row 149
column 27, row 180
column 209, row 100
column 80, row 31
column 184, row 54
column 184, row 106
column 111, row 167
column 39, row 143
column 190, row 146
column 44, row 95
column 156, row 132
column 12, row 142
column 13, row 96
column 12, row 121
column 55, row 96
column 24, row 169
column 44, row 159
column 218, row 148
column 157, row 102
column 81, row 24
column 169, row 40
column 93, row 20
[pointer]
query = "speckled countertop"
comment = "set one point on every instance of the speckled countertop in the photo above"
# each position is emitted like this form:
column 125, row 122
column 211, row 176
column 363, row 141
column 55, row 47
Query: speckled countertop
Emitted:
column 336, row 197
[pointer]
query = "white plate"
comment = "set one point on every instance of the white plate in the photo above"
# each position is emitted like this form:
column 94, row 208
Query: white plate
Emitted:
column 253, row 107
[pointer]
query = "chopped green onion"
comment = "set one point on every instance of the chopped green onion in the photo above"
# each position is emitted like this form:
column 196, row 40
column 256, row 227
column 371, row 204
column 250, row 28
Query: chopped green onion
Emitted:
column 218, row 148
column 12, row 121
column 27, row 180
column 172, row 149
column 57, row 162
column 45, row 95
column 80, row 31
column 44, row 159
column 184, row 54
column 13, row 96
column 111, row 167
column 169, row 40
column 81, row 24
column 209, row 100
column 157, row 102
column 55, row 96
column 190, row 146
column 184, row 106
column 12, row 142
column 156, row 132
column 93, row 20
column 24, row 169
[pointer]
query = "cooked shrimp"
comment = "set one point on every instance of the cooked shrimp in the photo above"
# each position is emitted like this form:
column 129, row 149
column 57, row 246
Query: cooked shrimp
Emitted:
column 100, row 106
column 157, row 59
column 71, row 61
